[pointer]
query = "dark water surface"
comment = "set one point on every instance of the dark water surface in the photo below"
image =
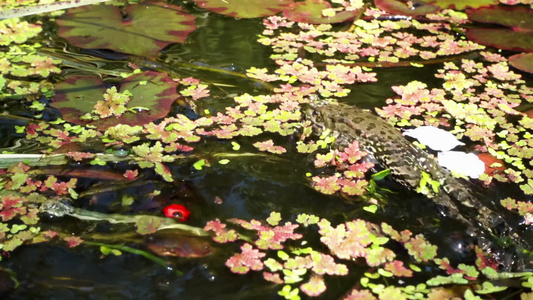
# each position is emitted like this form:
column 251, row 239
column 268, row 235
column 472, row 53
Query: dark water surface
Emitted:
column 250, row 188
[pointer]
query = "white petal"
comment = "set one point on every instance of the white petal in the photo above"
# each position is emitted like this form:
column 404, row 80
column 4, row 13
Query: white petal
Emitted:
column 463, row 163
column 433, row 137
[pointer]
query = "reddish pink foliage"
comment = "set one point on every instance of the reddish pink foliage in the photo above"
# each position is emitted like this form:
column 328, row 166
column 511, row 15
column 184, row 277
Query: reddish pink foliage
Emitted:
column 189, row 81
column 60, row 188
column 352, row 153
column 79, row 156
column 73, row 241
column 420, row 249
column 11, row 207
column 396, row 267
column 272, row 277
column 484, row 261
column 221, row 234
column 215, row 226
column 348, row 240
column 314, row 287
column 326, row 185
column 131, row 174
column 325, row 264
column 353, row 187
column 360, row 295
column 272, row 238
column 269, row 146
column 249, row 259
column 50, row 234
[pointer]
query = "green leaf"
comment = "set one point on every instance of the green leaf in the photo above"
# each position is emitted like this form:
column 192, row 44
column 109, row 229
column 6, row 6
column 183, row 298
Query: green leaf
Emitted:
column 224, row 161
column 199, row 164
column 106, row 251
column 381, row 175
column 236, row 146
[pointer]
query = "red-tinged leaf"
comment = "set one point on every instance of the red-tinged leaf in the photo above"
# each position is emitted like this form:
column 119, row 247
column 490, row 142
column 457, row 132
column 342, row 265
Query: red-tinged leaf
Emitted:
column 397, row 268
column 273, row 238
column 360, row 295
column 420, row 249
column 352, row 153
column 221, row 234
column 314, row 287
column 50, row 234
column 164, row 171
column 353, row 187
column 272, row 277
column 79, row 156
column 142, row 34
column 196, row 92
column 310, row 11
column 325, row 264
column 519, row 37
column 401, row 237
column 147, row 225
column 411, row 8
column 10, row 207
column 378, row 255
column 244, row 8
column 131, row 174
column 31, row 217
column 226, row 236
column 326, row 185
column 483, row 260
column 523, row 61
column 73, row 241
column 249, row 259
column 348, row 240
column 269, row 146
column 215, row 226
column 78, row 94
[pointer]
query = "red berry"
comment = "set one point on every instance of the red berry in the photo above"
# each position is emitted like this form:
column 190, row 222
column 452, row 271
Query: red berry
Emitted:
column 177, row 211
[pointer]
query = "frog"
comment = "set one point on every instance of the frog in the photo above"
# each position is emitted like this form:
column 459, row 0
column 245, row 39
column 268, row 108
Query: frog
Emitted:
column 389, row 149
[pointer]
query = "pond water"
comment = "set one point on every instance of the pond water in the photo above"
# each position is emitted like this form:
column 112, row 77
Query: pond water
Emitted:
column 250, row 187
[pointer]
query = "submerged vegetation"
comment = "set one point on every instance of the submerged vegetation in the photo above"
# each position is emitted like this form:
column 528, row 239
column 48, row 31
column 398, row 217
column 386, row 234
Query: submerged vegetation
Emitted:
column 114, row 128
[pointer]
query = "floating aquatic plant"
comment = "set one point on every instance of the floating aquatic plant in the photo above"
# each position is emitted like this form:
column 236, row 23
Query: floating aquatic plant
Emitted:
column 517, row 37
column 142, row 98
column 483, row 100
column 347, row 241
column 244, row 8
column 131, row 29
column 317, row 12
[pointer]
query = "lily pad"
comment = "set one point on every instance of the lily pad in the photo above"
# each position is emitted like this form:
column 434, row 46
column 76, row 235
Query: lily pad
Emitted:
column 140, row 29
column 523, row 61
column 519, row 35
column 413, row 8
column 153, row 94
column 310, row 11
column 245, row 8
column 461, row 4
